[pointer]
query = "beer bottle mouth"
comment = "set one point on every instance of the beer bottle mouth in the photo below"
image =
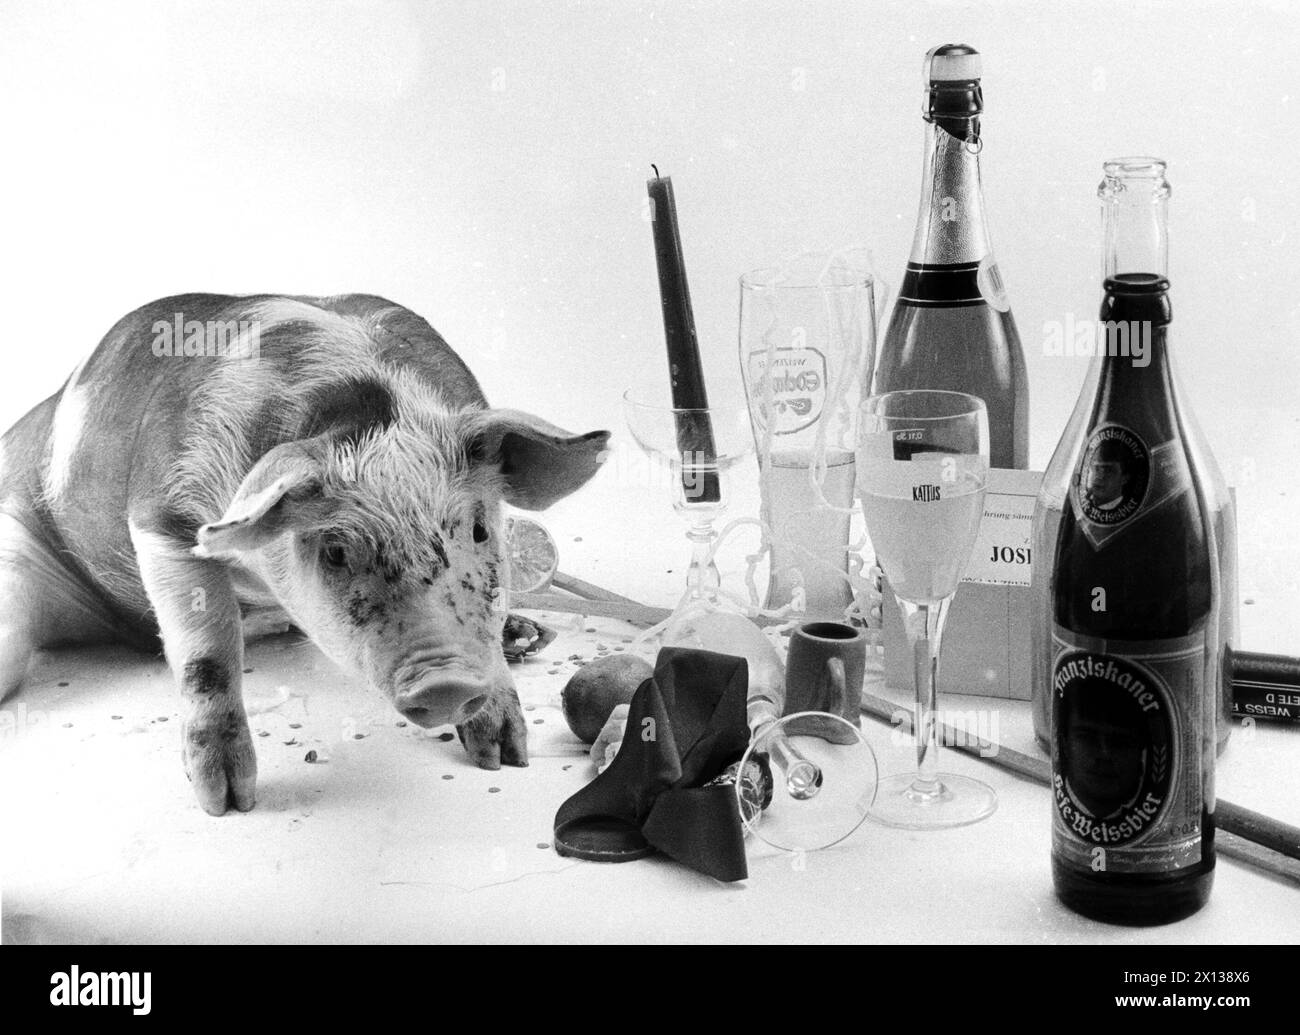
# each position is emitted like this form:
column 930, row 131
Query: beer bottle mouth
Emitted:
column 1135, row 167
column 1141, row 177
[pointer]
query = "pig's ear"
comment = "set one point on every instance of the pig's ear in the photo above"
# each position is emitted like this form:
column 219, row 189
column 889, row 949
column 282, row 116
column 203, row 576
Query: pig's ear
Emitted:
column 282, row 490
column 539, row 462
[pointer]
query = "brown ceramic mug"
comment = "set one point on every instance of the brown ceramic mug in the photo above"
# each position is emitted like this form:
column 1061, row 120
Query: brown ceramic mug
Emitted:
column 824, row 669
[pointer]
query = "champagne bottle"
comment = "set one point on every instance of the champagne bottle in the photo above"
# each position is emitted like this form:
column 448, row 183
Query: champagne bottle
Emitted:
column 1126, row 214
column 1136, row 595
column 951, row 327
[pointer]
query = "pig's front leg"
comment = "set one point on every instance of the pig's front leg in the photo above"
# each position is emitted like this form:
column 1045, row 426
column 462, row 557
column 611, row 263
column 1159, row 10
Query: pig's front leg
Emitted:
column 198, row 616
column 493, row 730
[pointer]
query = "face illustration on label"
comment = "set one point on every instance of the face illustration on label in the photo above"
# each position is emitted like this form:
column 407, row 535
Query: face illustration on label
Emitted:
column 1114, row 743
column 1113, row 477
column 794, row 389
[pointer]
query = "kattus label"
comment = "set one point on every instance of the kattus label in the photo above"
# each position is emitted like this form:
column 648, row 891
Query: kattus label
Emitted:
column 1125, row 753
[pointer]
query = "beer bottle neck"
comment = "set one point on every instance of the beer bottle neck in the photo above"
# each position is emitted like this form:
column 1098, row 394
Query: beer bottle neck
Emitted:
column 1137, row 376
column 950, row 226
column 1135, row 308
column 1134, row 217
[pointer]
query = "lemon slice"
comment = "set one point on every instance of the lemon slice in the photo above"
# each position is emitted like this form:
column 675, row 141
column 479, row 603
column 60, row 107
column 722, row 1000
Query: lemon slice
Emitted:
column 533, row 555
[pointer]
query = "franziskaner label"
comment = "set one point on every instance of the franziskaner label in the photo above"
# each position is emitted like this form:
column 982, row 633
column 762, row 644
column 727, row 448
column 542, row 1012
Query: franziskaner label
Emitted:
column 1126, row 752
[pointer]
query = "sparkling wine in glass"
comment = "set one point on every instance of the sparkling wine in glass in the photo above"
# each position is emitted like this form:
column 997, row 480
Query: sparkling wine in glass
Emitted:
column 923, row 460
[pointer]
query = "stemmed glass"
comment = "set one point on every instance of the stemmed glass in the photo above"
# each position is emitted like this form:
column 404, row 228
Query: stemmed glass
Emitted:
column 807, row 781
column 698, row 476
column 922, row 474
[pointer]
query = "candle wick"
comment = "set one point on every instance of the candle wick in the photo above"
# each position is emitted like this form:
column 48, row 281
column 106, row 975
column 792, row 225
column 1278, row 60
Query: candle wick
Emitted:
column 656, row 169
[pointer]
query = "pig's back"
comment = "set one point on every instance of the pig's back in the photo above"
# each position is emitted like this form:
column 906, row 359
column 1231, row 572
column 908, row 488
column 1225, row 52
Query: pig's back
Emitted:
column 121, row 422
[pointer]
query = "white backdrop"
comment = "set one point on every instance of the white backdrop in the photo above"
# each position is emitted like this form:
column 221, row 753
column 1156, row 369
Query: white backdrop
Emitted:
column 485, row 165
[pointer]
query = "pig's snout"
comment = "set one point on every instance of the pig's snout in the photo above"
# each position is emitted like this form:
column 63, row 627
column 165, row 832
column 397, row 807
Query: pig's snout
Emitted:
column 439, row 699
column 437, row 686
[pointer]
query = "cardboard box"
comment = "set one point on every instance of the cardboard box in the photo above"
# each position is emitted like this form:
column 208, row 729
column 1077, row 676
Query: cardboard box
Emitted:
column 985, row 646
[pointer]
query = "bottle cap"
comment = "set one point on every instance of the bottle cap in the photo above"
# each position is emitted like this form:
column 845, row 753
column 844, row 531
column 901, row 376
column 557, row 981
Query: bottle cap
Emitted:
column 952, row 63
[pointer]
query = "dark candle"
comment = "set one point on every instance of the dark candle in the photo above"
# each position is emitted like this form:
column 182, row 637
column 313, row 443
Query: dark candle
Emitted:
column 695, row 431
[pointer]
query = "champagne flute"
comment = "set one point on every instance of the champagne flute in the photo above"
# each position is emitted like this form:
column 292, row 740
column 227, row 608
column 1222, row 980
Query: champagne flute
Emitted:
column 923, row 460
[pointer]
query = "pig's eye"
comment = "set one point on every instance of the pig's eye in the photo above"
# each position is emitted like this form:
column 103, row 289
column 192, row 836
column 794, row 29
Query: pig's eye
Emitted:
column 334, row 556
column 480, row 532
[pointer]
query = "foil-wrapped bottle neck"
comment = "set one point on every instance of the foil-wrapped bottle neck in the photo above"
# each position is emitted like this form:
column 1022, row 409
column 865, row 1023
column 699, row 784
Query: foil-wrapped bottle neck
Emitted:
column 954, row 99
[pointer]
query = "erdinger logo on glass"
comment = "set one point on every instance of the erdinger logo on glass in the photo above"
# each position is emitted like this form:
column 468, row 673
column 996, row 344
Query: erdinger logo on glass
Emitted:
column 1115, row 748
column 794, row 388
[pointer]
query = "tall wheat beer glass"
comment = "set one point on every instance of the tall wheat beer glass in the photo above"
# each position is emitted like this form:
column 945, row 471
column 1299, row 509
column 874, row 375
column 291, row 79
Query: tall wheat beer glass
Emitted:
column 807, row 347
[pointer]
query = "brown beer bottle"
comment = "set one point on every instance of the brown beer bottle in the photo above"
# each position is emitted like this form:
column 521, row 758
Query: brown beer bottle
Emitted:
column 1135, row 594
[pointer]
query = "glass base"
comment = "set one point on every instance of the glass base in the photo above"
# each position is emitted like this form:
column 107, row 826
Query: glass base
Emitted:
column 957, row 802
column 807, row 814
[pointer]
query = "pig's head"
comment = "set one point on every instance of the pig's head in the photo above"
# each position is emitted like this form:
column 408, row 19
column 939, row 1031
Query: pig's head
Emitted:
column 385, row 544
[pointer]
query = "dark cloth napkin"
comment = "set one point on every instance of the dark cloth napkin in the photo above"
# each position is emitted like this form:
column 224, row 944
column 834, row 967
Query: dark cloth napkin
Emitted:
column 685, row 726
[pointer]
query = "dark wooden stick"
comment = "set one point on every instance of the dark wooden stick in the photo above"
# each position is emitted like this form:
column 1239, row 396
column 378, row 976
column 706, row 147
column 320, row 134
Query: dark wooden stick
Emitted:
column 1251, row 837
column 573, row 584
column 1254, row 826
column 632, row 613
column 1236, row 847
column 624, row 610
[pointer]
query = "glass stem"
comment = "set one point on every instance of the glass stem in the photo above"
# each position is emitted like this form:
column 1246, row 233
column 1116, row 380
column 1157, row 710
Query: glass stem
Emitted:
column 702, row 580
column 924, row 626
column 803, row 779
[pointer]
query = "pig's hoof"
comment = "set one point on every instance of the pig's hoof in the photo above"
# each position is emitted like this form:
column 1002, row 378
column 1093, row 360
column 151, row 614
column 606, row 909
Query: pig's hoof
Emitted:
column 494, row 733
column 220, row 763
